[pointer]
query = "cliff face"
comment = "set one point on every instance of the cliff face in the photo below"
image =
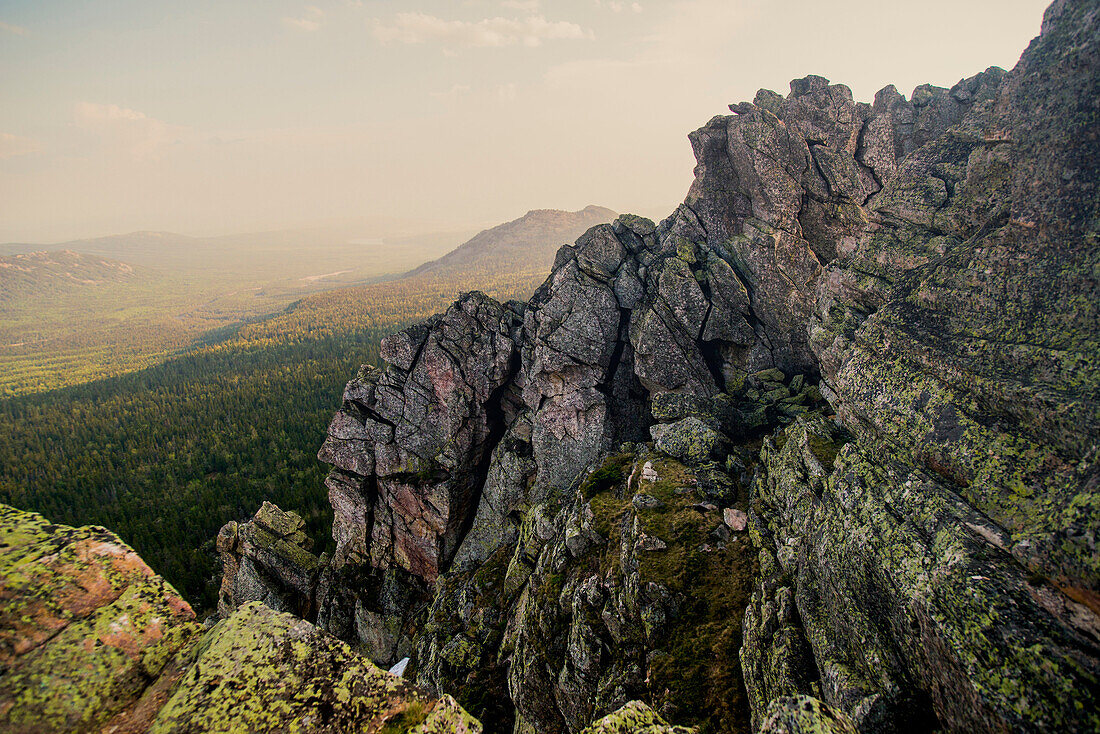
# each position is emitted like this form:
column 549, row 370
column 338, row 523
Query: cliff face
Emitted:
column 866, row 352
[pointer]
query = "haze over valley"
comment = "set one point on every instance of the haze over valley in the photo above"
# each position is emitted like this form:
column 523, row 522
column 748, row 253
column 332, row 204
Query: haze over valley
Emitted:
column 76, row 311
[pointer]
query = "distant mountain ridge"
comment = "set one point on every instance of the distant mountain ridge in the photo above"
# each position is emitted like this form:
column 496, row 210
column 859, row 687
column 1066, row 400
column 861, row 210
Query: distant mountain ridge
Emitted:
column 525, row 244
column 36, row 273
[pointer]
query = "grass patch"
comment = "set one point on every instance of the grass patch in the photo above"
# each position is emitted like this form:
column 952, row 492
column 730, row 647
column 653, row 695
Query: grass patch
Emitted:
column 413, row 715
column 698, row 681
column 609, row 474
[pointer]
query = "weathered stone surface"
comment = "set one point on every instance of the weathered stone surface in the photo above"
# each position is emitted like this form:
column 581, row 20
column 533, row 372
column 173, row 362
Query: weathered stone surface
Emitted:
column 92, row 640
column 457, row 647
column 805, row 715
column 735, row 519
column 611, row 621
column 908, row 598
column 635, row 718
column 261, row 671
column 86, row 628
column 962, row 332
column 412, row 447
column 267, row 559
column 689, row 440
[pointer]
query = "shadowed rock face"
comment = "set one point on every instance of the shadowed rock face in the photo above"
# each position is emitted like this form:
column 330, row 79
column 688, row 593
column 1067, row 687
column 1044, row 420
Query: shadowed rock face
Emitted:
column 871, row 330
column 91, row 640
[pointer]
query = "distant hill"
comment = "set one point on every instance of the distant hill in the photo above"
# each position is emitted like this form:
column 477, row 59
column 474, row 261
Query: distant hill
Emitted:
column 508, row 261
column 35, row 274
column 131, row 246
column 527, row 244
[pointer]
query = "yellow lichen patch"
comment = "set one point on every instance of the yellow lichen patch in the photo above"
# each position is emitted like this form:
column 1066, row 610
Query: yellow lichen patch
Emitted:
column 85, row 624
column 261, row 670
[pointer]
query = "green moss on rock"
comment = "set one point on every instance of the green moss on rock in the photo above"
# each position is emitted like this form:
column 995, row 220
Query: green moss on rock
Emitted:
column 805, row 715
column 85, row 626
column 635, row 718
column 264, row 671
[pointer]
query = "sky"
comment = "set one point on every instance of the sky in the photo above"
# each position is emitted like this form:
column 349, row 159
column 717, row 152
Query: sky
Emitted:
column 215, row 116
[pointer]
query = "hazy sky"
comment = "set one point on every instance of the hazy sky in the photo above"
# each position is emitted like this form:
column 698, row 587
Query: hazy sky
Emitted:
column 213, row 116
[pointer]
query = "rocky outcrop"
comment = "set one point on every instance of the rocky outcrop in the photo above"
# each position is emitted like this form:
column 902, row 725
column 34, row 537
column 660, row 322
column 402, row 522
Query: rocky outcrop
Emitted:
column 268, row 560
column 637, row 594
column 260, row 670
column 411, row 448
column 865, row 350
column 635, row 718
column 88, row 633
column 91, row 640
column 805, row 715
column 905, row 598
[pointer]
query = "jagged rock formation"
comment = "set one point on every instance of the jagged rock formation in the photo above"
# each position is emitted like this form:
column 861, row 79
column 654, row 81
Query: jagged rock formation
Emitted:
column 91, row 640
column 267, row 559
column 871, row 334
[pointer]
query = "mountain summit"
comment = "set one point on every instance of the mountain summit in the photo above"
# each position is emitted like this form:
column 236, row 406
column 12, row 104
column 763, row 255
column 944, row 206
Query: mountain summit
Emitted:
column 527, row 244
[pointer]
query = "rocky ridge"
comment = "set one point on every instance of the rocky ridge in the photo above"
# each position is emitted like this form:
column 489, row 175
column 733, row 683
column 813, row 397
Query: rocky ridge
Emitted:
column 868, row 338
column 818, row 452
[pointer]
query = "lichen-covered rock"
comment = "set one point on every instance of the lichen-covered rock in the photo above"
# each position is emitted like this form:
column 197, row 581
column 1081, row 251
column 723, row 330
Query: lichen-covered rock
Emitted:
column 91, row 640
column 962, row 333
column 689, row 440
column 907, row 598
column 265, row 671
column 805, row 715
column 457, row 646
column 268, row 559
column 619, row 619
column 86, row 629
column 635, row 718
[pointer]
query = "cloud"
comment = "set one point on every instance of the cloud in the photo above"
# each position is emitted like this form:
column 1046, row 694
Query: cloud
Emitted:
column 310, row 20
column 127, row 131
column 456, row 91
column 529, row 5
column 616, row 6
column 16, row 29
column 14, row 145
column 416, row 28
